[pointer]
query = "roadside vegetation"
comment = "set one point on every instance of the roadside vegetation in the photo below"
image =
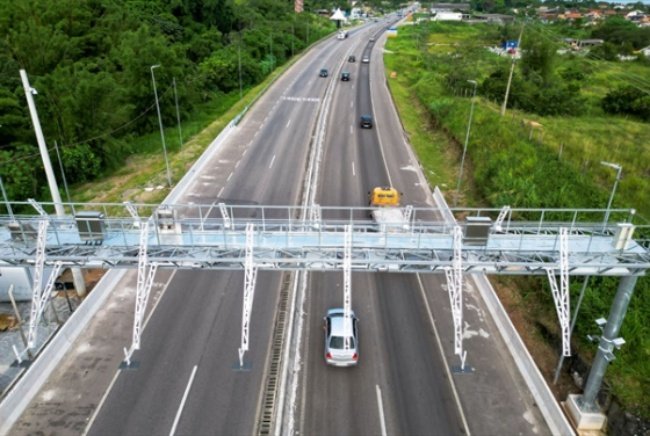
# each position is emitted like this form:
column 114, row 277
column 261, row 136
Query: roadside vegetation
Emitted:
column 91, row 64
column 565, row 115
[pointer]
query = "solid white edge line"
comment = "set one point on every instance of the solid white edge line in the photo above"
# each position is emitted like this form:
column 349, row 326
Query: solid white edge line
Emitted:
column 444, row 359
column 272, row 160
column 382, row 419
column 117, row 373
column 180, row 407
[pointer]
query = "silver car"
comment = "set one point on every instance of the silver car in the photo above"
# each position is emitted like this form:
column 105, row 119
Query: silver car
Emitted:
column 335, row 352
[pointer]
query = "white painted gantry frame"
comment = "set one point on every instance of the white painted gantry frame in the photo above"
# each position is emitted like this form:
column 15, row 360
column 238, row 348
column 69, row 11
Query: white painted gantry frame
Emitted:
column 454, row 272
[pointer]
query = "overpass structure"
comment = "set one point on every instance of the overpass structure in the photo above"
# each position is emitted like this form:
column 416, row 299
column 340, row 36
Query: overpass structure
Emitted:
column 551, row 242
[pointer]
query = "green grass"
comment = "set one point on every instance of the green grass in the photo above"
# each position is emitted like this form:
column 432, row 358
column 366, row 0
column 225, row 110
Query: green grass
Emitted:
column 147, row 167
column 505, row 166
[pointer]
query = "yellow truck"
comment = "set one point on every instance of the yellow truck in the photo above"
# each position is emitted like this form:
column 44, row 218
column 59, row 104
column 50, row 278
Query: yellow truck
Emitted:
column 384, row 202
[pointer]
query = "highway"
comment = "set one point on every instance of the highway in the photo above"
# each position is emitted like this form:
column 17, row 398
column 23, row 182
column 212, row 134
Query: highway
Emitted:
column 187, row 379
column 400, row 383
column 197, row 323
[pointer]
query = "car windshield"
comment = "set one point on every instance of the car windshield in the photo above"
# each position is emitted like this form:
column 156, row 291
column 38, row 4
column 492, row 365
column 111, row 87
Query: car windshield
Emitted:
column 336, row 342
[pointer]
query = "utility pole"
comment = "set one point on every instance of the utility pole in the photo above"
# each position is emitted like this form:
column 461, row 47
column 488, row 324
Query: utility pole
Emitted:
column 77, row 277
column 512, row 70
column 469, row 126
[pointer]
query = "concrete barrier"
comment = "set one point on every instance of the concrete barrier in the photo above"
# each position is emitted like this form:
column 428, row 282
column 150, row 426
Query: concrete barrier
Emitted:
column 30, row 383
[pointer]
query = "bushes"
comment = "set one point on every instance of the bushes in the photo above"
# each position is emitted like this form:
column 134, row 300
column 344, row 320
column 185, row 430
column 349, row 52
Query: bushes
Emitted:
column 628, row 100
column 510, row 169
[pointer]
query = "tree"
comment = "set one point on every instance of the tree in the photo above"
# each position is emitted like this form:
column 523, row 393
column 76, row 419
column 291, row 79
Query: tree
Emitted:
column 538, row 56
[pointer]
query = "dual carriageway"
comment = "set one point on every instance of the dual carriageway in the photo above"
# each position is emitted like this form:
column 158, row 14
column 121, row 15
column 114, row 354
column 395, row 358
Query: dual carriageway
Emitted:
column 187, row 380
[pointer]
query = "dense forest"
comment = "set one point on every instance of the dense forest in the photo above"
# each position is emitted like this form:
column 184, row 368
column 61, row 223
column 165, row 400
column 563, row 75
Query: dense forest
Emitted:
column 90, row 62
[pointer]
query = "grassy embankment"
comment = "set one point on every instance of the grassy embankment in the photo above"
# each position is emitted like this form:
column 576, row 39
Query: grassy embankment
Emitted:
column 558, row 167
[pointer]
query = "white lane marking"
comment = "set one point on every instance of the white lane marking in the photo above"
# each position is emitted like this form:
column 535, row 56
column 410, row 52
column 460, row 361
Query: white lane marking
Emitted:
column 380, row 404
column 229, row 177
column 220, row 191
column 353, row 173
column 117, row 373
column 272, row 160
column 180, row 408
column 238, row 162
column 351, row 129
column 288, row 122
column 351, row 104
column 442, row 355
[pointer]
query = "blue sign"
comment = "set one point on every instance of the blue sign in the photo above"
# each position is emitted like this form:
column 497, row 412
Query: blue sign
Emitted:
column 511, row 44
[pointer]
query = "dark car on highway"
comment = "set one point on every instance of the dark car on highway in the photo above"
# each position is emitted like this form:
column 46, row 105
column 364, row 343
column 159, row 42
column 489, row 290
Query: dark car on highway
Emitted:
column 345, row 76
column 352, row 59
column 323, row 72
column 366, row 121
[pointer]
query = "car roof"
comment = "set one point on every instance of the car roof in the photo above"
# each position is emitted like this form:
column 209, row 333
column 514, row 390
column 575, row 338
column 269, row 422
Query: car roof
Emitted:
column 366, row 117
column 337, row 320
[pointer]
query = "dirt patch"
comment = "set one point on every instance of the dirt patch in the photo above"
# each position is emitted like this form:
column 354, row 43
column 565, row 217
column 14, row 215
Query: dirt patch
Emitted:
column 540, row 333
column 91, row 277
column 7, row 322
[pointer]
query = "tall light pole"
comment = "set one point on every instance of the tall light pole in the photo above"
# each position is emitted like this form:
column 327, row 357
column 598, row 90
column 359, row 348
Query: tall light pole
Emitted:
column 162, row 133
column 77, row 276
column 241, row 92
column 178, row 117
column 469, row 126
column 618, row 169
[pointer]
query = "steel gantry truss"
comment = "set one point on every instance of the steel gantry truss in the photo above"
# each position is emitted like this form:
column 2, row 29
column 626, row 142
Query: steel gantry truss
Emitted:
column 40, row 294
column 455, row 287
column 254, row 237
column 250, row 277
column 146, row 274
column 561, row 294
column 347, row 287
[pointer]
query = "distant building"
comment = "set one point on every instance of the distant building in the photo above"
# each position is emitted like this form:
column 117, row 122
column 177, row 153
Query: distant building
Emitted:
column 449, row 7
column 447, row 16
column 494, row 18
column 585, row 43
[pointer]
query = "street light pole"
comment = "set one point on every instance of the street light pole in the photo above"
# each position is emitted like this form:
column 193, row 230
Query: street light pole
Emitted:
column 469, row 126
column 618, row 169
column 178, row 117
column 241, row 92
column 162, row 133
column 77, row 276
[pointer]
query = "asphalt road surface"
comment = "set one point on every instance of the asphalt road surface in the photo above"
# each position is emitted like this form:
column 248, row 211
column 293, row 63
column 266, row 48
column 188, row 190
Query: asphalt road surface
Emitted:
column 197, row 323
column 400, row 385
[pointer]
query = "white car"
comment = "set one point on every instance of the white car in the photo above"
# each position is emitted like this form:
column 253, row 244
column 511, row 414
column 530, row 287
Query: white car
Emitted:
column 335, row 337
column 366, row 59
